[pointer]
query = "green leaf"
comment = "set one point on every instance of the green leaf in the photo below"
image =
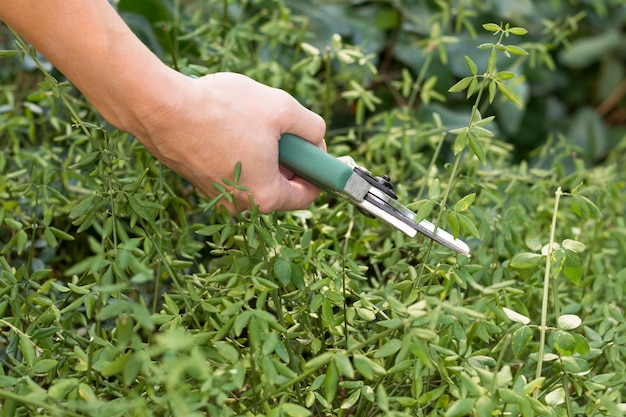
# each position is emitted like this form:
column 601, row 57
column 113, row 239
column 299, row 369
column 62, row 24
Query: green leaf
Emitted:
column 491, row 27
column 388, row 348
column 282, row 271
column 582, row 345
column 460, row 142
column 319, row 361
column 491, row 63
column 511, row 94
column 516, row 50
column 569, row 322
column 28, row 349
column 461, row 85
column 525, row 260
column 471, row 65
column 572, row 267
column 382, row 400
column 504, row 75
column 294, row 410
column 584, row 208
column 82, row 207
column 61, row 387
column 351, row 401
column 519, row 31
column 425, row 207
column 564, row 342
column 367, row 367
column 465, row 203
column 477, row 148
column 520, row 339
column 210, row 230
column 344, row 366
column 8, row 53
column 117, row 366
column 461, row 407
column 331, row 382
column 515, row 316
column 556, row 397
column 453, row 221
column 573, row 246
column 13, row 224
column 43, row 365
column 468, row 225
column 434, row 190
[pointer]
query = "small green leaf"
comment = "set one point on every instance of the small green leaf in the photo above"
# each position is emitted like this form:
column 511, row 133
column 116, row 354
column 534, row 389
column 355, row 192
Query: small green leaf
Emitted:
column 519, row 31
column 515, row 316
column 344, row 366
column 425, row 207
column 13, row 224
column 511, row 94
column 573, row 246
column 362, row 364
column 28, row 349
column 460, row 142
column 556, row 397
column 491, row 63
column 504, row 75
column 572, row 267
column 331, row 382
column 461, row 85
column 465, row 203
column 468, row 225
column 569, row 322
column 351, row 401
column 43, row 365
column 493, row 90
column 434, row 190
column 461, row 407
column 525, row 260
column 7, row 53
column 388, row 348
column 564, row 342
column 582, row 345
column 282, row 271
column 294, row 410
column 471, row 65
column 491, row 27
column 516, row 50
column 453, row 221
column 477, row 148
column 520, row 339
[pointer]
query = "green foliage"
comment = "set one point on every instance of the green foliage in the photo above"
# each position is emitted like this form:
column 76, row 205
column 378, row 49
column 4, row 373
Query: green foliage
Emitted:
column 124, row 292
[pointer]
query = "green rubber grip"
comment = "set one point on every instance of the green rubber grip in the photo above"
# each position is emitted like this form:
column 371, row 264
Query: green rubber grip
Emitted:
column 313, row 164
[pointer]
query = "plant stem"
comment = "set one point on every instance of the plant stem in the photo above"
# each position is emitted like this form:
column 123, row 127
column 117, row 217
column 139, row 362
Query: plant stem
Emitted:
column 546, row 289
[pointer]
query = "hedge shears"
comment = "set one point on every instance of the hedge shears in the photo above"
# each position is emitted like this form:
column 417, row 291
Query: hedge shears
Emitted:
column 373, row 196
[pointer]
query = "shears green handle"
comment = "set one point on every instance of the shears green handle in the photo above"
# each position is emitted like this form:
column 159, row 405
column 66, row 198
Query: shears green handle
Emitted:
column 369, row 194
column 313, row 164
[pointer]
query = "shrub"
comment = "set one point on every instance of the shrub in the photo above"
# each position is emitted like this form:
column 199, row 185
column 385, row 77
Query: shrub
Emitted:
column 124, row 292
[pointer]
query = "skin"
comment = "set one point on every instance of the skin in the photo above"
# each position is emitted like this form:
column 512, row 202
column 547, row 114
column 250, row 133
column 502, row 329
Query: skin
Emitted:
column 200, row 128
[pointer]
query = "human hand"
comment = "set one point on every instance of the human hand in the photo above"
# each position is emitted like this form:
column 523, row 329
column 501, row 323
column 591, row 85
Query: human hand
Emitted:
column 211, row 123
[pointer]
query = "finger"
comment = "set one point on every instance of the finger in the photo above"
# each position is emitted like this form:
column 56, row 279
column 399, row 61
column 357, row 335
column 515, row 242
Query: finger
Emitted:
column 300, row 121
column 298, row 194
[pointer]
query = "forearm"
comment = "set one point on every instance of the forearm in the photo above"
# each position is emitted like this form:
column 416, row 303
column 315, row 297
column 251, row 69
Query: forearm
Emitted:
column 93, row 47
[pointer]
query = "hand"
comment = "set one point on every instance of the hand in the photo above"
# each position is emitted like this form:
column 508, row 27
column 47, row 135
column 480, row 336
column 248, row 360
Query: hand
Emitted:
column 214, row 122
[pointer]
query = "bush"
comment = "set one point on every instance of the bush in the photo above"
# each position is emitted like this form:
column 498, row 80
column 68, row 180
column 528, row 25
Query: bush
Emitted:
column 124, row 292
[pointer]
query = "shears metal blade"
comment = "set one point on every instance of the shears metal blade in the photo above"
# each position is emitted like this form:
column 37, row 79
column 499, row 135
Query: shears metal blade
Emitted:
column 374, row 196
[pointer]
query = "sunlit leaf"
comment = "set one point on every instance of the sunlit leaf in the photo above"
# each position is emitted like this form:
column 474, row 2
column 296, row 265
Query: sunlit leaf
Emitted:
column 569, row 322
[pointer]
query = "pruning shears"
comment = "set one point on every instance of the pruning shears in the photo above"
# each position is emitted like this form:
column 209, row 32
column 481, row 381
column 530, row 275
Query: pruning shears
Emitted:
column 373, row 196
